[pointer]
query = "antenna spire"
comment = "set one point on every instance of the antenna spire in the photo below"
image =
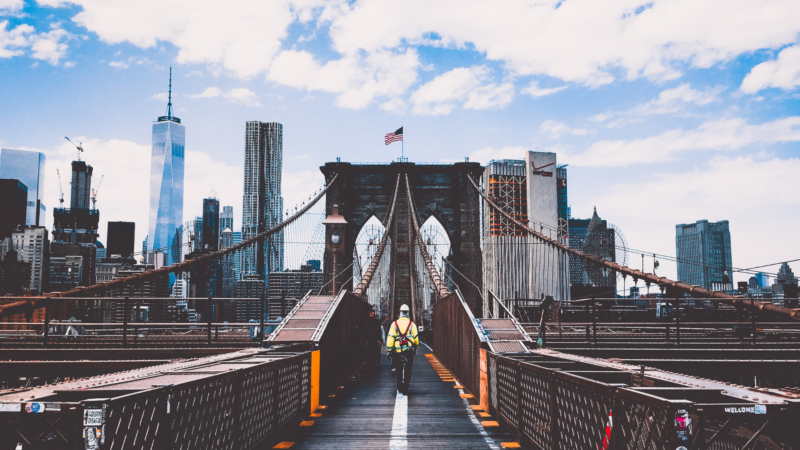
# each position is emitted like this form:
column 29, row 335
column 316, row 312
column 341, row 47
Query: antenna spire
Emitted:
column 169, row 105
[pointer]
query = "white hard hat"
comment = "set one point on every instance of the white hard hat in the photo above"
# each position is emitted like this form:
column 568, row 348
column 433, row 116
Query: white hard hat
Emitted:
column 404, row 308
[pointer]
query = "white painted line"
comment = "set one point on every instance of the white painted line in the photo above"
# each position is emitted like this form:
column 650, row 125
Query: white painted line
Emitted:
column 399, row 438
column 426, row 345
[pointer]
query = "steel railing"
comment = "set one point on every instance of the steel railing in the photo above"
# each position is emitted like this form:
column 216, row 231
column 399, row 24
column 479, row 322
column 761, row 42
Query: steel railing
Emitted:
column 242, row 405
column 457, row 340
column 597, row 408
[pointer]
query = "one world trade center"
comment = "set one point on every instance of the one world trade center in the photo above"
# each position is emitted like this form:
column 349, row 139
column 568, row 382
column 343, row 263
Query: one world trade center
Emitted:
column 166, row 187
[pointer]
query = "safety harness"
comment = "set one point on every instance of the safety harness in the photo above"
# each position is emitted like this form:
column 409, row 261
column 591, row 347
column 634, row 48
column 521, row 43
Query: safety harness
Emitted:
column 402, row 339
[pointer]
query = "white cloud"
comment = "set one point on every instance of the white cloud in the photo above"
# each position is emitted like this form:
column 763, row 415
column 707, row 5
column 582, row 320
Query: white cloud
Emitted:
column 70, row 64
column 469, row 86
column 241, row 38
column 582, row 41
column 357, row 79
column 119, row 64
column 782, row 73
column 535, row 91
column 210, row 92
column 48, row 46
column 10, row 7
column 555, row 129
column 238, row 95
column 722, row 134
column 669, row 101
column 161, row 96
column 243, row 96
column 487, row 154
column 722, row 190
column 14, row 40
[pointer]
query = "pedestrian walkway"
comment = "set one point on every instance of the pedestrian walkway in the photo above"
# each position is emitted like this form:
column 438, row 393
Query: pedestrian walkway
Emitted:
column 368, row 413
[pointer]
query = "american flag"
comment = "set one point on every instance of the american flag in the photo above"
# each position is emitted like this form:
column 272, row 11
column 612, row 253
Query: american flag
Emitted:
column 396, row 136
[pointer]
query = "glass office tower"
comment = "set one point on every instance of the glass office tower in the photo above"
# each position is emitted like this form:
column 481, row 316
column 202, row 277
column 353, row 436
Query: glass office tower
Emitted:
column 166, row 184
column 27, row 167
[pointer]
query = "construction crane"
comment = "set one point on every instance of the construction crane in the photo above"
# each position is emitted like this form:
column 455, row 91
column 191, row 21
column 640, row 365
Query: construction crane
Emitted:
column 95, row 191
column 79, row 146
column 61, row 191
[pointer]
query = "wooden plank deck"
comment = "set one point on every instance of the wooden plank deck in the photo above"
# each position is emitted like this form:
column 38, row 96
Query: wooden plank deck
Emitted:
column 362, row 414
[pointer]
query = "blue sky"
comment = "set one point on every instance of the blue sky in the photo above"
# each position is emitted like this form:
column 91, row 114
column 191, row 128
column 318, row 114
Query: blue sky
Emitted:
column 666, row 112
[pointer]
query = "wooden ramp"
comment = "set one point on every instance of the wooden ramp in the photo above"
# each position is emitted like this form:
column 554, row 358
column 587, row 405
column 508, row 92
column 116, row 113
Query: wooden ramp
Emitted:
column 367, row 413
column 307, row 320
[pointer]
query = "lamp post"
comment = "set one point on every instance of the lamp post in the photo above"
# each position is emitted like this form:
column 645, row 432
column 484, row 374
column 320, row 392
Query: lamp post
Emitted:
column 334, row 241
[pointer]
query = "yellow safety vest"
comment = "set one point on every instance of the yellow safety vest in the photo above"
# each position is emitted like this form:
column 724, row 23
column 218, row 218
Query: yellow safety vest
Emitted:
column 395, row 336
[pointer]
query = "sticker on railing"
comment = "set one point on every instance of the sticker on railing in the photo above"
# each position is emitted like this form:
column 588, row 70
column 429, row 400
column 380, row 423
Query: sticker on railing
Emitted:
column 756, row 409
column 34, row 408
column 607, row 438
column 683, row 426
column 92, row 417
column 10, row 407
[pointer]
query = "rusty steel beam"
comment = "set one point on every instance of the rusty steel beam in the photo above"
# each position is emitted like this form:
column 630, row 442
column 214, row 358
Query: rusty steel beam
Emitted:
column 637, row 274
column 14, row 369
column 28, row 304
column 110, row 353
column 438, row 283
column 361, row 288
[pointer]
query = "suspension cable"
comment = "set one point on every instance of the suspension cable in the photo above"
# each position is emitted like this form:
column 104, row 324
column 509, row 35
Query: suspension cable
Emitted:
column 441, row 289
column 636, row 274
column 87, row 291
column 361, row 289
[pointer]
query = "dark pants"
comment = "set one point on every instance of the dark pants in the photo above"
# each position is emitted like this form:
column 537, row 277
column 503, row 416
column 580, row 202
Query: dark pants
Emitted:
column 403, row 362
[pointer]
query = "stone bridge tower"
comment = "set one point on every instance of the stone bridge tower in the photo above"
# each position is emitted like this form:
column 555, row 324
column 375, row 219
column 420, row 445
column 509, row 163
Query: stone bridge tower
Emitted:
column 439, row 190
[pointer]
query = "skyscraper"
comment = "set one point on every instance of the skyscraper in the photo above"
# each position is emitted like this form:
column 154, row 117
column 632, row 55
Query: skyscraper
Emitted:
column 81, row 185
column 704, row 254
column 166, row 182
column 120, row 238
column 210, row 224
column 13, row 206
column 32, row 246
column 549, row 268
column 262, row 204
column 237, row 238
column 226, row 218
column 27, row 167
column 228, row 270
column 506, row 261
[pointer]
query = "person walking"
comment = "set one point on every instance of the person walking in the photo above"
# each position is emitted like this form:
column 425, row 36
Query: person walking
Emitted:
column 401, row 345
column 372, row 339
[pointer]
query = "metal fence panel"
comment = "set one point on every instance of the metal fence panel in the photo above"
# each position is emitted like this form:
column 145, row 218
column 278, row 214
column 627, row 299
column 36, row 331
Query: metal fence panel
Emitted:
column 39, row 431
column 536, row 405
column 642, row 423
column 135, row 421
column 582, row 410
column 202, row 414
column 341, row 352
column 456, row 342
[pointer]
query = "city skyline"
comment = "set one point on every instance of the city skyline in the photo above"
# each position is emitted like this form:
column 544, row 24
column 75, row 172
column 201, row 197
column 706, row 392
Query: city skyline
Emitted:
column 686, row 118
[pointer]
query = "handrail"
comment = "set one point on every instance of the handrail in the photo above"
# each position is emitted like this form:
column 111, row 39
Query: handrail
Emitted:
column 625, row 270
column 23, row 306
